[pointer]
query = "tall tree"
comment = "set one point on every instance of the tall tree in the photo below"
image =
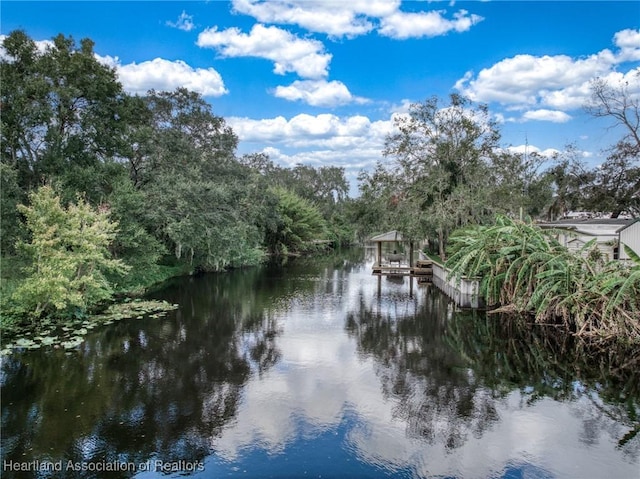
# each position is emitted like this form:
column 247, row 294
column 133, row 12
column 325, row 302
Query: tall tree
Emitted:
column 69, row 247
column 62, row 122
column 616, row 183
column 299, row 224
column 620, row 103
column 569, row 177
column 198, row 195
column 60, row 112
column 443, row 156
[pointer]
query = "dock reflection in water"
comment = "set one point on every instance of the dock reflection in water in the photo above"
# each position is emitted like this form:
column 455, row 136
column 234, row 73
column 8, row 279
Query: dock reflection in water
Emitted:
column 308, row 369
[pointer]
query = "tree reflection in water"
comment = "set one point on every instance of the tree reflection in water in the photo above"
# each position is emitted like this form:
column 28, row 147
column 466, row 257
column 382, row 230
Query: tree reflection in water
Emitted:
column 449, row 372
column 507, row 353
column 136, row 390
column 254, row 370
column 435, row 394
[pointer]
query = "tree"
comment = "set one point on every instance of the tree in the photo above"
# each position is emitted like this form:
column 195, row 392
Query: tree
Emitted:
column 134, row 243
column 61, row 111
column 69, row 249
column 326, row 188
column 200, row 199
column 570, row 178
column 11, row 196
column 444, row 156
column 299, row 224
column 374, row 211
column 63, row 122
column 620, row 103
column 616, row 184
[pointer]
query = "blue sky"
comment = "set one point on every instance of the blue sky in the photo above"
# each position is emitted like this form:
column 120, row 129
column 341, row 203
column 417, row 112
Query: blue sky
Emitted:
column 319, row 82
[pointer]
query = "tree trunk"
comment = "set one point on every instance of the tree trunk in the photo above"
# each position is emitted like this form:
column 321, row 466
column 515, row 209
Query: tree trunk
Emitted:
column 441, row 240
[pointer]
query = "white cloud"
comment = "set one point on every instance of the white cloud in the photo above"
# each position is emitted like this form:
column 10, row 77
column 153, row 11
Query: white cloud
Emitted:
column 324, row 383
column 557, row 82
column 547, row 153
column 184, row 22
column 344, row 19
column 353, row 142
column 289, row 53
column 629, row 43
column 165, row 75
column 524, row 78
column 554, row 116
column 318, row 93
column 309, row 131
column 158, row 74
column 403, row 25
column 355, row 17
column 108, row 60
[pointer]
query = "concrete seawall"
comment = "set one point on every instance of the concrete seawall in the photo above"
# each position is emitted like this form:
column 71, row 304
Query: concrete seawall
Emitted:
column 464, row 294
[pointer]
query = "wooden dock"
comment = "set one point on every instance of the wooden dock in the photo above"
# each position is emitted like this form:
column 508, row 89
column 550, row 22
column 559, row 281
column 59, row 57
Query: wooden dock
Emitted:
column 395, row 261
column 421, row 268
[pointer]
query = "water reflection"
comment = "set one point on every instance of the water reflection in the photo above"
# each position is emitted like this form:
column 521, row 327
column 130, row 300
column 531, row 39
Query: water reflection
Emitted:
column 315, row 367
column 507, row 354
column 434, row 394
column 142, row 389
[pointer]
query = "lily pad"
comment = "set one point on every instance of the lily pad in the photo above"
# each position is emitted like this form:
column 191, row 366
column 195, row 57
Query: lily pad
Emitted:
column 49, row 340
column 72, row 343
column 24, row 343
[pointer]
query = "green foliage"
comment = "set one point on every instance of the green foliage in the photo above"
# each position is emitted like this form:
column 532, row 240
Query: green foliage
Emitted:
column 340, row 230
column 70, row 333
column 616, row 182
column 10, row 196
column 326, row 188
column 199, row 200
column 449, row 172
column 203, row 222
column 524, row 269
column 60, row 111
column 69, row 253
column 299, row 224
column 134, row 243
column 164, row 163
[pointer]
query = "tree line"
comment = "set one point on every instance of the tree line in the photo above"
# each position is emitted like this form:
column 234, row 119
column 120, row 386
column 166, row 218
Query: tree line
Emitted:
column 103, row 191
column 445, row 168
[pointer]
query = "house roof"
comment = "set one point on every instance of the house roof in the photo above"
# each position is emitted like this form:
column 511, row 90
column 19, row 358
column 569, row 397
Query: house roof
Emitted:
column 390, row 236
column 636, row 220
column 589, row 221
column 591, row 226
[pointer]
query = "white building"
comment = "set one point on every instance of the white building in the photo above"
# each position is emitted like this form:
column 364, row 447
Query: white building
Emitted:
column 608, row 233
column 630, row 235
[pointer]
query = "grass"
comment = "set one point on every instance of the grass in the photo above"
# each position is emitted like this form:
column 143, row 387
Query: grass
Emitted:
column 434, row 257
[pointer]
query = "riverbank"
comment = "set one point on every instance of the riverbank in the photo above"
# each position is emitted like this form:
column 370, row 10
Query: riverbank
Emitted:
column 67, row 330
column 524, row 270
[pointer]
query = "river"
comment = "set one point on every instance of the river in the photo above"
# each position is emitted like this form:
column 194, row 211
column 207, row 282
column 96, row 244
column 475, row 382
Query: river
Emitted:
column 316, row 368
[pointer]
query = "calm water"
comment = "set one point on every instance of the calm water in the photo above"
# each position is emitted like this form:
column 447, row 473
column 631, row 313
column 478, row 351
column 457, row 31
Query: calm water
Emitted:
column 317, row 369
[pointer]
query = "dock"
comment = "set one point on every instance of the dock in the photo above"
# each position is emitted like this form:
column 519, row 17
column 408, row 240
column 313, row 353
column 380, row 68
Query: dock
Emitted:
column 422, row 268
column 397, row 263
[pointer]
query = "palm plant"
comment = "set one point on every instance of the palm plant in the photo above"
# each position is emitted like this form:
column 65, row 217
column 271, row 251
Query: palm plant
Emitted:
column 524, row 269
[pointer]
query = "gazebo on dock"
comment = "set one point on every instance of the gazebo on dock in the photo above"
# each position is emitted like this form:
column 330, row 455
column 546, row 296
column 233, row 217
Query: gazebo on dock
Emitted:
column 384, row 264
